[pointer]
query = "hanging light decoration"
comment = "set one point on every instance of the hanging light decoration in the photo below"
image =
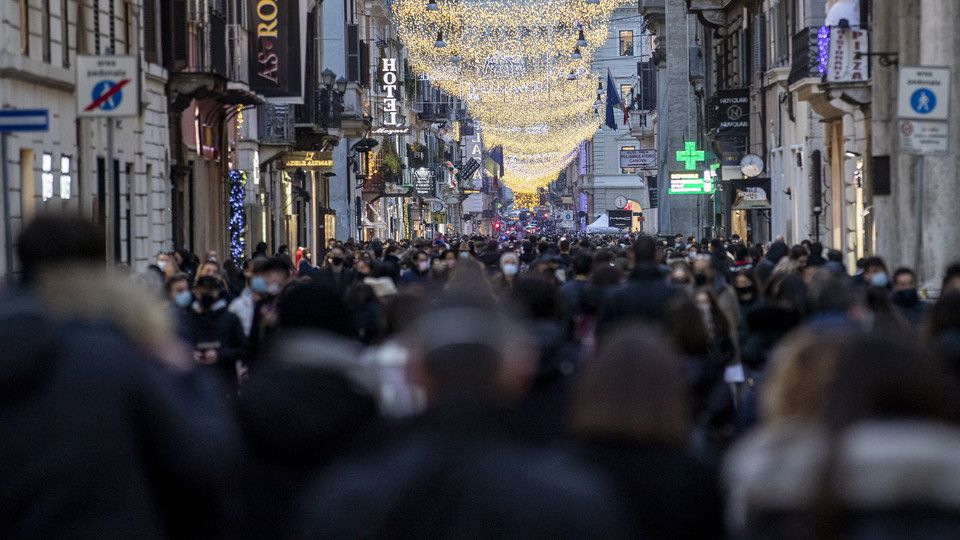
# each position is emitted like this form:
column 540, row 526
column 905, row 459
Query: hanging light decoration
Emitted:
column 581, row 39
column 510, row 61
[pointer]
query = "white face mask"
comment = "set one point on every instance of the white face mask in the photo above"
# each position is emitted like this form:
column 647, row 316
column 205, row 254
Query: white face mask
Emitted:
column 510, row 269
column 162, row 265
column 423, row 266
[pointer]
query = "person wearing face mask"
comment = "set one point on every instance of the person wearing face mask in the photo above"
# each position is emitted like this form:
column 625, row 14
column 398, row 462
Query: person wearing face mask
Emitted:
column 874, row 273
column 180, row 298
column 243, row 305
column 906, row 298
column 509, row 268
column 270, row 277
column 168, row 265
column 419, row 272
column 335, row 275
column 216, row 334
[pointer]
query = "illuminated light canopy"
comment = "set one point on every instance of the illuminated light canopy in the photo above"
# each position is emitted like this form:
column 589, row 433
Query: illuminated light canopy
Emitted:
column 523, row 68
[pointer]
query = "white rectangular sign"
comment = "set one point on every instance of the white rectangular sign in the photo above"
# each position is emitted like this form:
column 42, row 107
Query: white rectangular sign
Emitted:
column 846, row 62
column 107, row 86
column 924, row 138
column 924, row 93
column 641, row 159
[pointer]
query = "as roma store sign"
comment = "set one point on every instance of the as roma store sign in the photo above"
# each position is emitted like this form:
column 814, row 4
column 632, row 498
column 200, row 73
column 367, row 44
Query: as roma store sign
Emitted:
column 276, row 54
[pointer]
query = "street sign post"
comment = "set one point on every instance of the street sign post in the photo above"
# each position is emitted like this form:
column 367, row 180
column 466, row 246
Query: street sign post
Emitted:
column 12, row 120
column 924, row 93
column 107, row 86
column 24, row 120
column 923, row 106
column 924, row 138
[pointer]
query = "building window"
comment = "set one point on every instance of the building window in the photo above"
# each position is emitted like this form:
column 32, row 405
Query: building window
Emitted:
column 64, row 34
column 628, row 170
column 96, row 27
column 626, row 43
column 45, row 30
column 127, row 27
column 46, row 176
column 24, row 27
column 66, row 181
column 626, row 92
column 112, row 26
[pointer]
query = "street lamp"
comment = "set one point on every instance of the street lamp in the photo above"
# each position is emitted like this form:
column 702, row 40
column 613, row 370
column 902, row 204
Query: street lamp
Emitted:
column 341, row 85
column 439, row 43
column 432, row 6
column 327, row 77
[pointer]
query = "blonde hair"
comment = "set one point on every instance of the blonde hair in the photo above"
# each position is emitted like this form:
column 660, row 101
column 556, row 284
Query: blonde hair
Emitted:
column 88, row 292
column 800, row 374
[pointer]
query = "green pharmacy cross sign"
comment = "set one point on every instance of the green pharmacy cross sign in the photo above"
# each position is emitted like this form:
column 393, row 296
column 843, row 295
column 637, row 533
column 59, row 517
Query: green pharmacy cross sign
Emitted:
column 693, row 182
column 689, row 156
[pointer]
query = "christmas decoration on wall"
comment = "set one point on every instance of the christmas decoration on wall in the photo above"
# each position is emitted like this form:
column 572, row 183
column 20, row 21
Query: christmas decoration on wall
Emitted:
column 238, row 217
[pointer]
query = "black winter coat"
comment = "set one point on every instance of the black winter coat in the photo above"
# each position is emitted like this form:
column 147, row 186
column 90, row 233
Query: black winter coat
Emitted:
column 223, row 331
column 100, row 441
column 456, row 473
column 668, row 494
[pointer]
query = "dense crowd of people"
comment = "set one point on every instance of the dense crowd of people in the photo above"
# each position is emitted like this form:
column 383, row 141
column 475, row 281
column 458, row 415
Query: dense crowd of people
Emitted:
column 616, row 386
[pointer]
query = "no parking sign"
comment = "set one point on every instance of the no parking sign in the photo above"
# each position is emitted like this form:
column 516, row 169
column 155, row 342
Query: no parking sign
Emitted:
column 107, row 86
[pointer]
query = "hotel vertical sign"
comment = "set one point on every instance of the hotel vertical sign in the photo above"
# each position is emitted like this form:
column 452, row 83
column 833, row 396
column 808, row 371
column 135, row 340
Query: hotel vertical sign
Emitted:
column 391, row 121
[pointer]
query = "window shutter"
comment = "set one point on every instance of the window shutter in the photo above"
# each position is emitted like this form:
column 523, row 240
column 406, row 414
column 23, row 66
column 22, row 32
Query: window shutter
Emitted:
column 150, row 49
column 353, row 53
column 364, row 64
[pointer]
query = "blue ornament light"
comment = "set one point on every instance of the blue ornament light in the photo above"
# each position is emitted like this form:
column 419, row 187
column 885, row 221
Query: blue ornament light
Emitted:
column 823, row 50
column 238, row 217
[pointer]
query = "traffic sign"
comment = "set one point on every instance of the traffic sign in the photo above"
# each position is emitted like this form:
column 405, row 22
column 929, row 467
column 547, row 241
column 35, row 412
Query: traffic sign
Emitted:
column 107, row 86
column 24, row 120
column 924, row 93
column 924, row 138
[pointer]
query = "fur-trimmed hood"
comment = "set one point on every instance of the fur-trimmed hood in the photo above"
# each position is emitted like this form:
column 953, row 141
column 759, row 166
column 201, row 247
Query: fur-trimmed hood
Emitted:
column 880, row 465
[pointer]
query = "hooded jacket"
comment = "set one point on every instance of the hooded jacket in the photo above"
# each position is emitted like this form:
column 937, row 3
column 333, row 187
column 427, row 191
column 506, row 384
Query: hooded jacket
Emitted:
column 101, row 440
column 891, row 479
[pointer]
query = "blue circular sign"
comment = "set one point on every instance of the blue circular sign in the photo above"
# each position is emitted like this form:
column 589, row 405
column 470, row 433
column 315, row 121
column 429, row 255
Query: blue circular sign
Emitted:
column 113, row 101
column 923, row 101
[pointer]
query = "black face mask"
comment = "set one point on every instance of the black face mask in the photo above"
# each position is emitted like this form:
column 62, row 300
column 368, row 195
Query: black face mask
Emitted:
column 207, row 301
column 700, row 279
column 745, row 293
column 336, row 261
column 905, row 297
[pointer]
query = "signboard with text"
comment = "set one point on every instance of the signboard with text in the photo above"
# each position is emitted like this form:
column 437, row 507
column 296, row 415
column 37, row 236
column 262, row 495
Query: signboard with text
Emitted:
column 107, row 86
column 620, row 219
column 924, row 138
column 308, row 160
column 846, row 61
column 645, row 158
column 276, row 60
column 731, row 110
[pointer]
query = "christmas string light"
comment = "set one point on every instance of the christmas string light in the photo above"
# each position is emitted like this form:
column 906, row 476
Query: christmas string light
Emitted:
column 522, row 67
column 238, row 217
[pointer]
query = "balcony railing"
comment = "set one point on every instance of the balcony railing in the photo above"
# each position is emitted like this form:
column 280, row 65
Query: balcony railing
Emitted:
column 805, row 61
column 276, row 124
